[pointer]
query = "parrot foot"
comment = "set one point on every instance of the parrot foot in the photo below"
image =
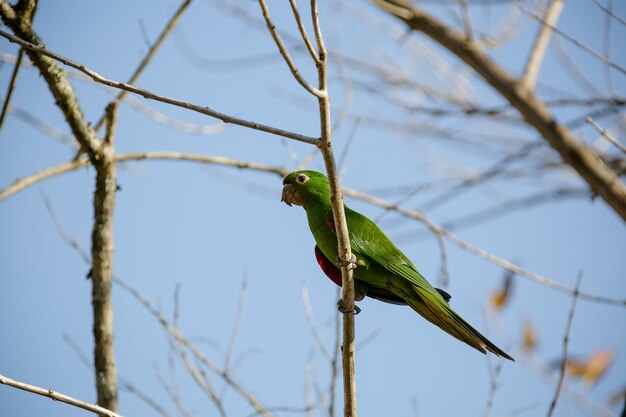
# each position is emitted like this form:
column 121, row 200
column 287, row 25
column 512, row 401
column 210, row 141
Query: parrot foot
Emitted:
column 351, row 264
column 342, row 309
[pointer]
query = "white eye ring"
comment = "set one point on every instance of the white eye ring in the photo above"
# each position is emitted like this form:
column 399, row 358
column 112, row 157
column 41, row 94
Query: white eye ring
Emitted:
column 302, row 178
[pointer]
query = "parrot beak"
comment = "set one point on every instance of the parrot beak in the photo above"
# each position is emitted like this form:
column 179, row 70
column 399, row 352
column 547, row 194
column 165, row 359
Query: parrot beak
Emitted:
column 290, row 196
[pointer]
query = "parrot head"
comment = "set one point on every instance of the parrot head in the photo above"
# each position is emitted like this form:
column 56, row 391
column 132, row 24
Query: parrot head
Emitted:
column 302, row 187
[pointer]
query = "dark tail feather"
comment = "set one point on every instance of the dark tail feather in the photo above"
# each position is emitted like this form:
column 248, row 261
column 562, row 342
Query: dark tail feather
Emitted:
column 441, row 314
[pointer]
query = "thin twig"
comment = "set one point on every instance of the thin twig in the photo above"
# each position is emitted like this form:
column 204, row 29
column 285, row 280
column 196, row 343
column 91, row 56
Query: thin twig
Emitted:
column 149, row 55
column 467, row 20
column 444, row 277
column 285, row 54
column 148, row 400
column 200, row 377
column 308, row 308
column 586, row 162
column 334, row 364
column 494, row 373
column 124, row 384
column 46, row 173
column 491, row 172
column 101, row 155
column 43, row 126
column 57, row 396
column 568, row 328
column 7, row 99
column 552, row 13
column 308, row 384
column 572, row 68
column 412, row 214
column 508, row 265
column 510, row 206
column 165, row 120
column 152, row 96
column 82, row 357
column 133, row 101
column 302, row 29
column 346, row 148
column 237, row 322
column 172, row 390
column 609, row 12
column 607, row 49
column 56, row 79
column 71, row 241
column 570, row 39
column 198, row 354
column 606, row 135
column 341, row 227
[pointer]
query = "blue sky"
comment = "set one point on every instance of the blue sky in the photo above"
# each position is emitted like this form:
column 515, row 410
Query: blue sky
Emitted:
column 205, row 228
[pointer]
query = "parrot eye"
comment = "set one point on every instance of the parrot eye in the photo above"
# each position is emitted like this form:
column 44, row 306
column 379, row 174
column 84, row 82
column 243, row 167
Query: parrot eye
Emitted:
column 302, row 178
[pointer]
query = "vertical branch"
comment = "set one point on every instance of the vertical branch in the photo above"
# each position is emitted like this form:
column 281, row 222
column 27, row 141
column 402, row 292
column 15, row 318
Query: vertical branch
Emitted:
column 343, row 240
column 101, row 154
column 302, row 29
column 57, row 396
column 7, row 100
column 149, row 55
column 529, row 79
column 325, row 144
column 333, row 363
column 57, row 82
column 568, row 327
column 102, row 266
column 588, row 165
column 467, row 20
column 606, row 135
column 283, row 50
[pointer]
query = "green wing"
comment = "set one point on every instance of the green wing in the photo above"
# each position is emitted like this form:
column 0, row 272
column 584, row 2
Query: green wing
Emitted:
column 371, row 246
column 369, row 242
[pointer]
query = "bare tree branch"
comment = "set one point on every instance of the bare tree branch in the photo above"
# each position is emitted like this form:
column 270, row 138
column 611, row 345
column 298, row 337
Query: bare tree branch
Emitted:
column 101, row 155
column 149, row 55
column 199, row 355
column 606, row 135
column 494, row 373
column 590, row 167
column 552, row 13
column 341, row 227
column 576, row 42
column 44, row 53
column 303, row 33
column 467, row 20
column 334, row 364
column 609, row 12
column 57, row 396
column 25, row 182
column 236, row 323
column 508, row 265
column 318, row 340
column 7, row 99
column 199, row 376
column 283, row 50
column 568, row 328
column 43, row 126
column 102, row 266
column 57, row 81
column 412, row 214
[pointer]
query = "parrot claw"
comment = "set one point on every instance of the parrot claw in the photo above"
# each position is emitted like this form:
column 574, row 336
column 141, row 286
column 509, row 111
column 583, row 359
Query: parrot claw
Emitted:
column 342, row 309
column 351, row 264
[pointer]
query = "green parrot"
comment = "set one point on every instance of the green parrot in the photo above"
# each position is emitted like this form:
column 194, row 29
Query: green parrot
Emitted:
column 382, row 271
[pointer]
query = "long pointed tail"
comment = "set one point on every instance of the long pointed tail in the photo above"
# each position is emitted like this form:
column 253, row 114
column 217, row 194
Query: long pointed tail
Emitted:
column 438, row 312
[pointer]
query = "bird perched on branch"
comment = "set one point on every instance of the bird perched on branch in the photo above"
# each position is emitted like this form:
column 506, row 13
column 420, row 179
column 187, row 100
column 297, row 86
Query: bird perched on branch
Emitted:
column 382, row 271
